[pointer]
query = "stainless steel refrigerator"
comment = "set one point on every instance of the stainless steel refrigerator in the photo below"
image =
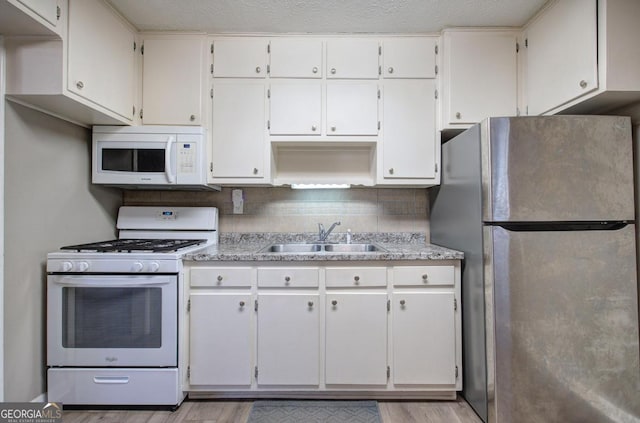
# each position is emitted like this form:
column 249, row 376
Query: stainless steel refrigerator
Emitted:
column 543, row 208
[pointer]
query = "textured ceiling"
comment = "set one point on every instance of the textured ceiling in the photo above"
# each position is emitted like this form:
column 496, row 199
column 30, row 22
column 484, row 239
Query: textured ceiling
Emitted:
column 323, row 16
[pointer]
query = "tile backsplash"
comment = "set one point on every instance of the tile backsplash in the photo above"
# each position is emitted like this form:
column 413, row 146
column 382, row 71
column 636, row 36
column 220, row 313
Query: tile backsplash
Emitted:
column 288, row 210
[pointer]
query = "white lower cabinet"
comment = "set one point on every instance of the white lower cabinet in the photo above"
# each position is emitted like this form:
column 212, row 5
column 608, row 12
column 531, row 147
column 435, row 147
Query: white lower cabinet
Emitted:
column 288, row 339
column 325, row 328
column 423, row 338
column 356, row 339
column 221, row 335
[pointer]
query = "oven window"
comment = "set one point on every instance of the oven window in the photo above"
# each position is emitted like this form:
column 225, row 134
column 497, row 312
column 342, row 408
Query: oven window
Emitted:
column 118, row 317
column 133, row 160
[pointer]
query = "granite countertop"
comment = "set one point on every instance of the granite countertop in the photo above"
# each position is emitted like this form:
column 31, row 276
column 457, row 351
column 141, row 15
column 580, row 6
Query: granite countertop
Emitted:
column 398, row 246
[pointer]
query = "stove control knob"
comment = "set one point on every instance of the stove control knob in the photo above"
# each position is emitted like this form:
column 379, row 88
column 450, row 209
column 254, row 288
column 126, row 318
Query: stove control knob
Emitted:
column 137, row 266
column 83, row 266
column 66, row 266
column 154, row 266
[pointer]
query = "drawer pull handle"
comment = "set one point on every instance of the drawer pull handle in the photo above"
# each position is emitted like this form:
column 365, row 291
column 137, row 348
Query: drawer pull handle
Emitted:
column 258, row 69
column 80, row 85
column 334, row 302
column 356, row 279
column 111, row 380
column 402, row 302
column 315, row 69
column 241, row 303
column 333, row 71
column 310, row 304
column 287, row 279
column 425, row 277
column 219, row 278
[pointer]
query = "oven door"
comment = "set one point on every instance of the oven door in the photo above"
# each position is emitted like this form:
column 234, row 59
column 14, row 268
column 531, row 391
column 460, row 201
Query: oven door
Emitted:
column 144, row 159
column 112, row 320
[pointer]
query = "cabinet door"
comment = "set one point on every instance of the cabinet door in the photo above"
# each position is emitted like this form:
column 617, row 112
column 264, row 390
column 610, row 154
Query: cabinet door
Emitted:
column 561, row 55
column 288, row 339
column 172, row 76
column 409, row 133
column 101, row 61
column 480, row 76
column 296, row 108
column 356, row 339
column 240, row 58
column 296, row 58
column 238, row 129
column 352, row 108
column 352, row 58
column 220, row 339
column 409, row 58
column 423, row 338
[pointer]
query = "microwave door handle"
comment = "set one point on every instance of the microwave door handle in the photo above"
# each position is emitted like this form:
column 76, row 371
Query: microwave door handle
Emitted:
column 167, row 160
column 87, row 282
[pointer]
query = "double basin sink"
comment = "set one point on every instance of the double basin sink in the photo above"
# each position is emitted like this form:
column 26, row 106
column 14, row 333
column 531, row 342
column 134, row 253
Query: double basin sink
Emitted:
column 322, row 248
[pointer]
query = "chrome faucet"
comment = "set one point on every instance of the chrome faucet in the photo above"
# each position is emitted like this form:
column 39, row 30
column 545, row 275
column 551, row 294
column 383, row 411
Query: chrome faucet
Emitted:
column 322, row 234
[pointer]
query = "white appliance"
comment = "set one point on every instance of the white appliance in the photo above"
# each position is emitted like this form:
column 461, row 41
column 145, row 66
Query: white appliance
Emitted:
column 150, row 157
column 113, row 309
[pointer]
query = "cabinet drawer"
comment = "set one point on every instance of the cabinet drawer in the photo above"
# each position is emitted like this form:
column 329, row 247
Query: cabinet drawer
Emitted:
column 356, row 276
column 287, row 277
column 423, row 275
column 222, row 277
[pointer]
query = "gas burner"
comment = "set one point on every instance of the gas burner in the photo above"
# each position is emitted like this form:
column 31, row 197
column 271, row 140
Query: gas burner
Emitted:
column 135, row 245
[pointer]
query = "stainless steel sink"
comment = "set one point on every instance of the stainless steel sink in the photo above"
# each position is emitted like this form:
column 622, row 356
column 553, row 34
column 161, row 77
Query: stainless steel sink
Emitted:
column 293, row 248
column 352, row 248
column 322, row 248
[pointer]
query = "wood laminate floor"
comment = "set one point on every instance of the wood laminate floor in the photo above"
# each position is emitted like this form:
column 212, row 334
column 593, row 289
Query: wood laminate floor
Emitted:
column 223, row 411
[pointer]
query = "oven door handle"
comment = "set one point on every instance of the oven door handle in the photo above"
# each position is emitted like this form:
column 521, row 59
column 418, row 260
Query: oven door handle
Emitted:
column 102, row 283
column 111, row 380
column 167, row 160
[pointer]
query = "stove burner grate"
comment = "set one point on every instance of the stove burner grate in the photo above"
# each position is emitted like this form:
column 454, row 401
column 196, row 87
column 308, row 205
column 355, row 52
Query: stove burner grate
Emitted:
column 135, row 245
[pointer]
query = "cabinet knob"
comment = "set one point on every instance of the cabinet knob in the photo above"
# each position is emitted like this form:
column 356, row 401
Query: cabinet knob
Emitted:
column 314, row 70
column 255, row 170
column 287, row 279
column 313, row 128
column 390, row 70
column 402, row 302
column 219, row 278
column 458, row 115
column 258, row 69
column 333, row 71
column 333, row 129
column 310, row 303
column 391, row 171
column 425, row 277
column 356, row 279
column 241, row 303
column 583, row 84
column 80, row 85
column 192, row 118
column 334, row 302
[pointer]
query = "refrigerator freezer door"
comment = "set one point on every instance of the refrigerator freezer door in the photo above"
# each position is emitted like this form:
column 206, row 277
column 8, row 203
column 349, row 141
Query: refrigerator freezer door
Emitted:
column 565, row 316
column 558, row 168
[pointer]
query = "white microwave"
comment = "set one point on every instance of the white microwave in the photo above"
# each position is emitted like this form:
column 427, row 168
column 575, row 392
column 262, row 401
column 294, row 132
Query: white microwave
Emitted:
column 150, row 157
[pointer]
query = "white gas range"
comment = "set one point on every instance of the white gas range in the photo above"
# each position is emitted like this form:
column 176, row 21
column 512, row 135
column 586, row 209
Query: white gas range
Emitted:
column 113, row 309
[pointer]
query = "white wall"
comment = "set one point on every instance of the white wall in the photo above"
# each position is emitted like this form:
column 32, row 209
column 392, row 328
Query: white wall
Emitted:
column 49, row 202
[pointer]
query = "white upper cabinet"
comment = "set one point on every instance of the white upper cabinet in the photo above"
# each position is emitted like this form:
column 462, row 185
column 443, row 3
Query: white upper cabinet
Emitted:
column 409, row 57
column 173, row 71
column 101, row 56
column 240, row 57
column 352, row 58
column 238, row 134
column 409, row 148
column 581, row 56
column 352, row 108
column 30, row 17
column 296, row 108
column 562, row 54
column 296, row 58
column 480, row 76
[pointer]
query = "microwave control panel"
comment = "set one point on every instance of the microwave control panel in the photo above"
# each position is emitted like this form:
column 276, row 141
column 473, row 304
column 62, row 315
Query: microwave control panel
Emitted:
column 187, row 157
